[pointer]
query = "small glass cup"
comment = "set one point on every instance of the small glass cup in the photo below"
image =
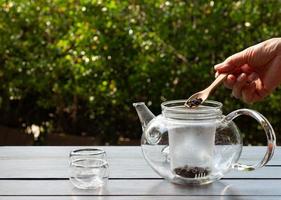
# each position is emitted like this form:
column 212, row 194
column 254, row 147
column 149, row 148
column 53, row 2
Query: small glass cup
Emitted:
column 88, row 168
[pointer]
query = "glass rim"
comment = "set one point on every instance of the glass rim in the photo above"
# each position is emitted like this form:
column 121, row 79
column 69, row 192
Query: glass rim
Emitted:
column 75, row 164
column 209, row 109
column 178, row 104
column 87, row 152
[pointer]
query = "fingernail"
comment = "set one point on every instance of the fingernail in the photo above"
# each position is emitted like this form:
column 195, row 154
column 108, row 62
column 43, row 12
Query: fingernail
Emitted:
column 241, row 77
column 216, row 74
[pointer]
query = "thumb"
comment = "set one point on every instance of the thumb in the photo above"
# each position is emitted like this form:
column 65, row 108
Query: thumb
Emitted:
column 234, row 61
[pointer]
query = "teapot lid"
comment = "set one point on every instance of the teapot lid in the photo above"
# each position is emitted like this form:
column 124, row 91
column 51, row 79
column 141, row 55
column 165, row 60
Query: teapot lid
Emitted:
column 177, row 110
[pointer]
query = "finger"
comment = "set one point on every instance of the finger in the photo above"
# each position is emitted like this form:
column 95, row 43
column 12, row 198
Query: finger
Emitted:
column 237, row 71
column 240, row 83
column 224, row 67
column 260, row 92
column 249, row 88
column 229, row 81
column 246, row 69
column 252, row 77
column 248, row 92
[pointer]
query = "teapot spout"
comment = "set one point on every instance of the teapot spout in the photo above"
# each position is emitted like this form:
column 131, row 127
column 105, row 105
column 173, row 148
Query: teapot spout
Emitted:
column 145, row 115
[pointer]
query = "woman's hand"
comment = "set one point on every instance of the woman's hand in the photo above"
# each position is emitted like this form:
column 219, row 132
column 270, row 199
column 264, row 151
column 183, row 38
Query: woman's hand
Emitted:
column 254, row 72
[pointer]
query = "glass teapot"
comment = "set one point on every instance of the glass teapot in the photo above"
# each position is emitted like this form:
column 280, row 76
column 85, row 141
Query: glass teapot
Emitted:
column 198, row 145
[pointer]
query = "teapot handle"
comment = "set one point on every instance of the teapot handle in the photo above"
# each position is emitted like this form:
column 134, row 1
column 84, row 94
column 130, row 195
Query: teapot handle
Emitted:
column 271, row 139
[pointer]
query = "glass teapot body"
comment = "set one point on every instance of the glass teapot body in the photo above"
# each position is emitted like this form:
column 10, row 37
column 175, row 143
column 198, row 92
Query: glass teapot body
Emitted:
column 197, row 146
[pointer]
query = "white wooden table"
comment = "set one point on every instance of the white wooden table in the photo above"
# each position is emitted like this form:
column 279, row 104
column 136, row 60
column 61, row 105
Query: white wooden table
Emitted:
column 29, row 173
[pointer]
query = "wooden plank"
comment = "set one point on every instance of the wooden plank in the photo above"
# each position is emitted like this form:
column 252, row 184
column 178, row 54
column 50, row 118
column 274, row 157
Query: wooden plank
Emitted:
column 125, row 162
column 58, row 168
column 7, row 152
column 140, row 197
column 143, row 188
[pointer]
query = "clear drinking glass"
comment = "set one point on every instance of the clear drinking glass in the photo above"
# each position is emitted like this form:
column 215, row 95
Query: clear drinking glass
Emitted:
column 89, row 168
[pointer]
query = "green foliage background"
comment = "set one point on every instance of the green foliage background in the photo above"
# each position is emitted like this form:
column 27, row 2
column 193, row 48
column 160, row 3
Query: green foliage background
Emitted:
column 77, row 66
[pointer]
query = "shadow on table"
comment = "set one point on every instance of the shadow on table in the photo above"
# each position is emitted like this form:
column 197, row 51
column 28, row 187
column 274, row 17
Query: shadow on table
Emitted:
column 221, row 190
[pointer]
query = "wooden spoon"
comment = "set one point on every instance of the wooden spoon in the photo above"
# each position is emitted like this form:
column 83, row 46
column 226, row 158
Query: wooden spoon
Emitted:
column 199, row 97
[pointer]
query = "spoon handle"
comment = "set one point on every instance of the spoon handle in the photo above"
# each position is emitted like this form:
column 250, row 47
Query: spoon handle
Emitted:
column 217, row 81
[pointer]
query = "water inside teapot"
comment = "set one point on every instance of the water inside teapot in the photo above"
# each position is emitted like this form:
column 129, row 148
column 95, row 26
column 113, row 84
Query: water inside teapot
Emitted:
column 191, row 148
